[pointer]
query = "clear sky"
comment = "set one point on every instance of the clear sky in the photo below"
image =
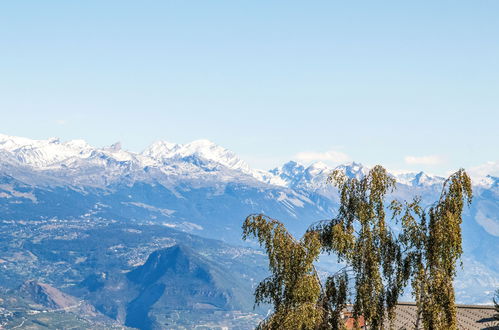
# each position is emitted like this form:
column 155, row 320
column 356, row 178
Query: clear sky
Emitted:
column 408, row 84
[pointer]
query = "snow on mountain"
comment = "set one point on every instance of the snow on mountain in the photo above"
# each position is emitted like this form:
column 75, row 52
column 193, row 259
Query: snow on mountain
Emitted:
column 297, row 176
column 354, row 170
column 290, row 173
column 52, row 153
column 160, row 150
column 315, row 175
column 166, row 152
column 418, row 179
column 80, row 163
column 199, row 155
column 43, row 153
column 197, row 158
column 487, row 181
column 486, row 216
column 206, row 156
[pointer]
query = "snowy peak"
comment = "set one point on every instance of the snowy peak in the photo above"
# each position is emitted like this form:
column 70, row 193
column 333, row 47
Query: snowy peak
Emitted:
column 160, row 150
column 295, row 175
column 488, row 182
column 288, row 171
column 418, row 179
column 43, row 153
column 353, row 170
column 318, row 168
column 71, row 159
column 54, row 154
column 423, row 179
column 163, row 151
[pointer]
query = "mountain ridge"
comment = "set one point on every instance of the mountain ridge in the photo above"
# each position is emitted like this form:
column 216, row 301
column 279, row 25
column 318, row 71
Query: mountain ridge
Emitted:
column 52, row 154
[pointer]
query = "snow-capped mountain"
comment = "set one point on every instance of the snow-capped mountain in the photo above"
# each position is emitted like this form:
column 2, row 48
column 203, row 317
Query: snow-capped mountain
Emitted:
column 418, row 179
column 165, row 152
column 207, row 189
column 43, row 153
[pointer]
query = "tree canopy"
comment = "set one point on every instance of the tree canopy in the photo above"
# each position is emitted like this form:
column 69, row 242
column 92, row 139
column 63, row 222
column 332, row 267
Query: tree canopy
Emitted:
column 293, row 288
column 433, row 244
column 378, row 262
column 360, row 236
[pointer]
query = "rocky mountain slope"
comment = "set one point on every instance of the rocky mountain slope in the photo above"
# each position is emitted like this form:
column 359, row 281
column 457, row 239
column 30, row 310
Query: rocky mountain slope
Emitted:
column 37, row 305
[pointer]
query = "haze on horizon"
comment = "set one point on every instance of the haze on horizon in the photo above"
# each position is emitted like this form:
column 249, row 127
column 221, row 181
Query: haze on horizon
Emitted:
column 410, row 85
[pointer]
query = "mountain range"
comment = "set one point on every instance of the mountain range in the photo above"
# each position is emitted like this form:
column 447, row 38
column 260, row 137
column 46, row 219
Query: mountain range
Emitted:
column 204, row 189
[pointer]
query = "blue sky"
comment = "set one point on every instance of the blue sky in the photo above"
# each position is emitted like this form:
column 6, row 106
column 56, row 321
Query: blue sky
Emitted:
column 411, row 85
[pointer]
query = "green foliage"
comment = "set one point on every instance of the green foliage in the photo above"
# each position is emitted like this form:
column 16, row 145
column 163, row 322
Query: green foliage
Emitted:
column 433, row 243
column 334, row 300
column 294, row 287
column 360, row 236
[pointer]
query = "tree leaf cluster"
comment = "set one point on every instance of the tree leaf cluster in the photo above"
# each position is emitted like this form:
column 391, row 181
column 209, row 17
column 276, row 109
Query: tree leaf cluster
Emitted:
column 432, row 240
column 293, row 288
column 360, row 236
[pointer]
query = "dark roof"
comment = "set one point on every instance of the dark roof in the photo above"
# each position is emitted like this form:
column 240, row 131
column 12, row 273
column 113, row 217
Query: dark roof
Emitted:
column 468, row 317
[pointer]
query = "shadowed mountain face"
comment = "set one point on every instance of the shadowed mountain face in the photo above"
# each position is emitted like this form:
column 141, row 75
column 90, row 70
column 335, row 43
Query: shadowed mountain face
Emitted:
column 172, row 279
column 167, row 264
column 176, row 278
